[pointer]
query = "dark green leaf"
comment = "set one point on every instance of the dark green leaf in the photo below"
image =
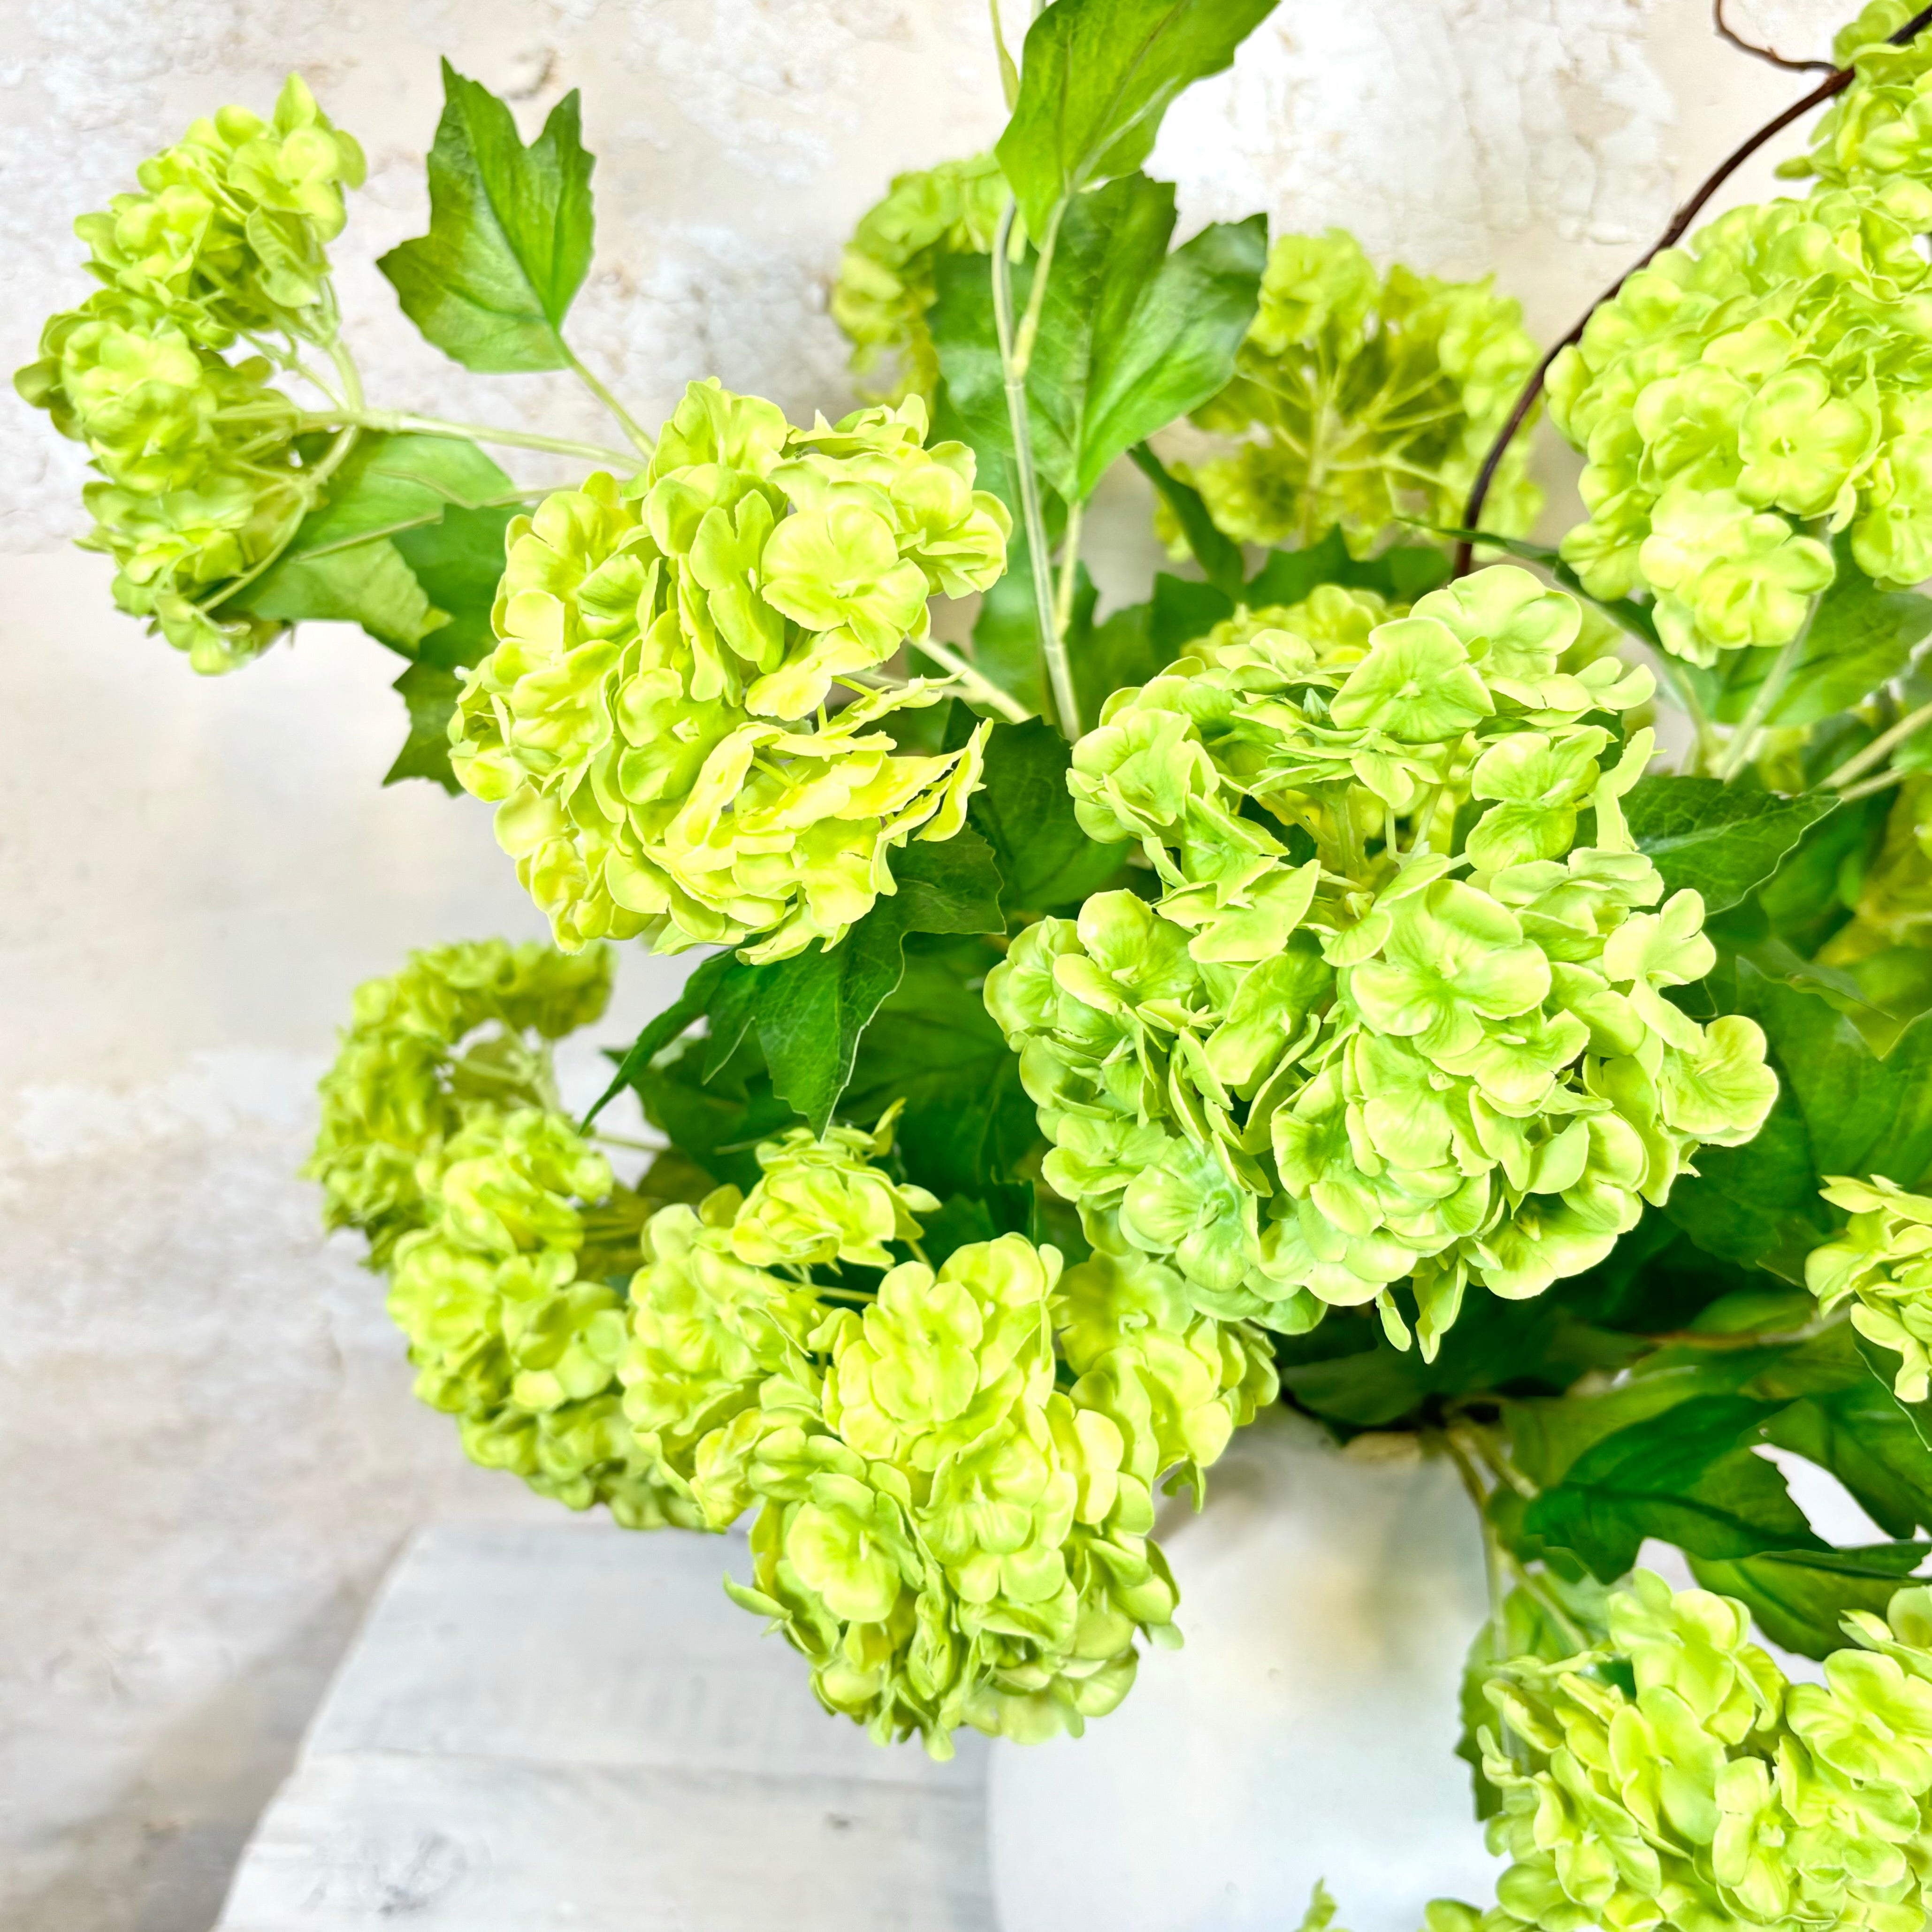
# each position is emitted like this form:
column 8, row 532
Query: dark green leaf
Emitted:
column 690, row 1007
column 1687, row 1476
column 1025, row 814
column 949, row 886
column 1113, row 655
column 1096, row 77
column 1131, row 337
column 1218, row 556
column 1798, row 1597
column 1717, row 839
column 717, row 1123
column 509, row 238
column 1402, row 573
column 429, row 694
column 1841, row 1109
column 1181, row 611
column 1862, row 1436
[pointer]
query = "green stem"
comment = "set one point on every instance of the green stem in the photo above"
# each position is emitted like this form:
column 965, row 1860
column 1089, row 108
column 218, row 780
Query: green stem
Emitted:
column 1738, row 753
column 981, row 686
column 399, row 422
column 1493, row 1558
column 1059, row 673
column 1882, row 781
column 619, row 1141
column 1860, row 762
column 602, row 391
column 1687, row 702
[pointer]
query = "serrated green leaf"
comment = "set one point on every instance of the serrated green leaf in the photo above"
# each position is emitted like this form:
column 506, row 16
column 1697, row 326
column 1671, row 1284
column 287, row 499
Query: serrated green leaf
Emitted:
column 1402, row 573
column 1024, row 812
column 1096, row 76
column 1132, row 338
column 429, row 694
column 1687, row 1476
column 510, row 234
column 950, row 885
column 1862, row 1436
column 690, row 1007
column 1717, row 839
column 1841, row 1109
column 1798, row 1597
column 1218, row 556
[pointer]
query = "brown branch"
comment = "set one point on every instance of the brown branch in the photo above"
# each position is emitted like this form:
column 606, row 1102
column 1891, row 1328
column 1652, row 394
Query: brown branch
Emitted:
column 1727, row 32
column 1836, row 81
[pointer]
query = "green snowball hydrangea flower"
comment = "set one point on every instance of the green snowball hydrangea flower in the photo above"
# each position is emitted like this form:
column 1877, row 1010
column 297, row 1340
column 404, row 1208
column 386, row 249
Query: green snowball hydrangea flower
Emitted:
column 1362, row 399
column 1881, row 125
column 653, row 724
column 429, row 1050
column 1882, row 1264
column 886, row 275
column 204, row 479
column 1743, row 397
column 1385, row 1019
column 1672, row 1778
column 947, row 1535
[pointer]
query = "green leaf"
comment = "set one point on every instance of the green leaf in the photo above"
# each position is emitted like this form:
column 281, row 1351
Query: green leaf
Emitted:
column 1798, row 1597
column 1181, row 611
column 368, row 583
column 690, row 1007
column 1096, row 77
column 1717, row 839
column 1862, row 637
column 1687, row 1476
column 1131, row 337
column 1218, row 556
column 429, row 694
column 1402, row 573
column 1024, row 812
column 968, row 1124
column 715, row 1123
column 1841, row 1109
column 949, row 886
column 1862, row 1436
column 509, row 237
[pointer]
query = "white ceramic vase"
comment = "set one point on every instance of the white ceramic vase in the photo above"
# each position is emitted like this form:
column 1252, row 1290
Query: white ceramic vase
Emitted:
column 1306, row 1732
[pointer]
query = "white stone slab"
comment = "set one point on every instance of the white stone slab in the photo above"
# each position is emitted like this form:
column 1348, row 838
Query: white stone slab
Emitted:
column 570, row 1727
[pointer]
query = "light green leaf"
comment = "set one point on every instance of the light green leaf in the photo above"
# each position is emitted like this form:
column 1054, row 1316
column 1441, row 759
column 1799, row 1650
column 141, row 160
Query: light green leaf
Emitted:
column 1717, row 839
column 1798, row 1597
column 1132, row 338
column 368, row 583
column 510, row 234
column 1096, row 77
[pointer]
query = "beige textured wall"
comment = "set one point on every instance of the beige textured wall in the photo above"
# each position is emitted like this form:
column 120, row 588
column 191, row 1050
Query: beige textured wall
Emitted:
column 206, row 1444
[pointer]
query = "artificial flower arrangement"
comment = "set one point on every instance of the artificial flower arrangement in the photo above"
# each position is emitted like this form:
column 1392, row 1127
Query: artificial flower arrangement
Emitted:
column 1317, row 984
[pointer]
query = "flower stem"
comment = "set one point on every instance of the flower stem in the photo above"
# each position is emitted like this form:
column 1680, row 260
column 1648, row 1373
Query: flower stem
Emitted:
column 1737, row 753
column 1053, row 650
column 602, row 391
column 1862, row 762
column 400, row 422
column 981, row 686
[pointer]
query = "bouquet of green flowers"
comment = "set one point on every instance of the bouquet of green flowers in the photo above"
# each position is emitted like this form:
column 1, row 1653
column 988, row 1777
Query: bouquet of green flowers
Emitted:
column 1489, row 1003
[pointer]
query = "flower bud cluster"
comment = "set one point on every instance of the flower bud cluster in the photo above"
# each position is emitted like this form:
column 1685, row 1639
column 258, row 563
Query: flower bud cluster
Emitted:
column 1742, row 398
column 202, row 480
column 1881, row 1263
column 885, row 276
column 652, row 725
column 1674, row 1779
column 948, row 1537
column 1363, row 399
column 1881, row 125
column 1387, row 1016
column 428, row 1051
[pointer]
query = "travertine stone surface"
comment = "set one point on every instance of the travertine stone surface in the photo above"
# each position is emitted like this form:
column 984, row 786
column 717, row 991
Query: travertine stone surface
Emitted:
column 209, row 1448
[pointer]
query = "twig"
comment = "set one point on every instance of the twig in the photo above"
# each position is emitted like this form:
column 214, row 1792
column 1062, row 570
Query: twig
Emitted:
column 1771, row 54
column 1836, row 81
column 976, row 682
column 1860, row 762
column 1737, row 752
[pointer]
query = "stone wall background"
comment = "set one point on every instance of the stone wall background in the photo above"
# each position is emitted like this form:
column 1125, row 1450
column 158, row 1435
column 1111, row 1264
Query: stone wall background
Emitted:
column 206, row 1441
